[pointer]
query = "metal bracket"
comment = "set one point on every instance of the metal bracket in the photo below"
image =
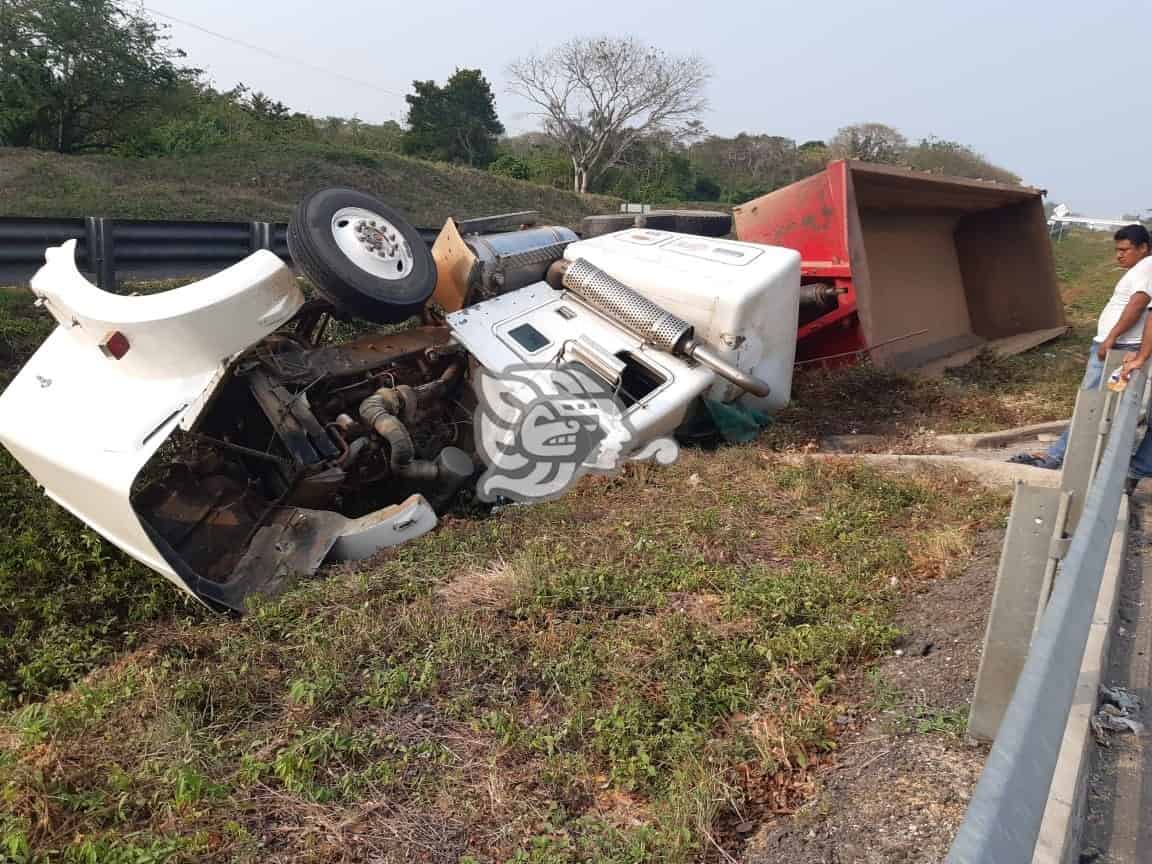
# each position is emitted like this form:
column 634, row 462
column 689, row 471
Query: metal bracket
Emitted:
column 1058, row 548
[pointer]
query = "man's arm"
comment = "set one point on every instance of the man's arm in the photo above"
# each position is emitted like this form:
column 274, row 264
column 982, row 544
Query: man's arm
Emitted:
column 1133, row 360
column 1137, row 303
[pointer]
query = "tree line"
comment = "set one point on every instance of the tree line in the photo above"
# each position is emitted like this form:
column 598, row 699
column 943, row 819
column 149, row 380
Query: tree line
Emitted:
column 617, row 116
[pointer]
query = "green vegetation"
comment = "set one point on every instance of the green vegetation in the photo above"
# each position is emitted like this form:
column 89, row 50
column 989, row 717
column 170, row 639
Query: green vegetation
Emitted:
column 101, row 76
column 603, row 677
column 615, row 676
column 875, row 142
column 22, row 328
column 82, row 74
column 701, row 167
column 903, row 713
column 68, row 600
column 71, row 601
column 608, row 677
column 265, row 183
column 453, row 123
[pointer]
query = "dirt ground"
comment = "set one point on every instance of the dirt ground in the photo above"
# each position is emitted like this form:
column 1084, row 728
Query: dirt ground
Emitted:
column 898, row 790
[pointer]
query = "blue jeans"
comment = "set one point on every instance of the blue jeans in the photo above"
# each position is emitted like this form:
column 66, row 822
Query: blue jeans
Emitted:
column 1141, row 465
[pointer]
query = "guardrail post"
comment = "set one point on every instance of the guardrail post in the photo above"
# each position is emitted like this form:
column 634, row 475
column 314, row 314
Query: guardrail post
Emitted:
column 100, row 237
column 1015, row 601
column 1080, row 458
column 261, row 235
column 1087, row 437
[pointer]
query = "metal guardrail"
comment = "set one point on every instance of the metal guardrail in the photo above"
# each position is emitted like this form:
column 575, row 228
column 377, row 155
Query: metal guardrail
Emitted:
column 1004, row 817
column 117, row 249
column 112, row 249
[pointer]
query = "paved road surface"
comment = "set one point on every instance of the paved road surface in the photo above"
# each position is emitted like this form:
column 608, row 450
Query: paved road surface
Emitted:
column 1118, row 827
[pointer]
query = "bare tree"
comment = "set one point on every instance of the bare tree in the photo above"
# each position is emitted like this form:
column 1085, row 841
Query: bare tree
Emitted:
column 869, row 142
column 598, row 96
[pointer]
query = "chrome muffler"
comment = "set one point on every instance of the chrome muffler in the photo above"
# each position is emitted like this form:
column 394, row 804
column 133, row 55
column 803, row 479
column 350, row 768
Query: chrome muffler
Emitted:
column 645, row 319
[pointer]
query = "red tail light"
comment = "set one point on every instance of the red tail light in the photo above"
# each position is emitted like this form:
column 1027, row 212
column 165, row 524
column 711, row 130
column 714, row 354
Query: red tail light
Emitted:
column 115, row 345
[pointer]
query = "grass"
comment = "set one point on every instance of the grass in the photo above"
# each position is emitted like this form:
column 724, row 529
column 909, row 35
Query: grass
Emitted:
column 243, row 183
column 643, row 659
column 22, row 328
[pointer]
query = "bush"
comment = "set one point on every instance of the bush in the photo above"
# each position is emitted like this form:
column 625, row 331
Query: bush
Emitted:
column 706, row 189
column 510, row 166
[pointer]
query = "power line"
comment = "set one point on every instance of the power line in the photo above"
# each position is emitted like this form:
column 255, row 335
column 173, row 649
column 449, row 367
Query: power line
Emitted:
column 276, row 55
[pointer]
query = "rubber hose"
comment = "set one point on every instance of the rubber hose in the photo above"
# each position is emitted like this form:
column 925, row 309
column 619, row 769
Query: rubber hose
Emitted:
column 379, row 411
column 438, row 388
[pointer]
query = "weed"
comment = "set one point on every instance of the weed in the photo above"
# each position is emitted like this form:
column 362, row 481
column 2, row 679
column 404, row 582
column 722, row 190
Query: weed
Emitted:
column 905, row 714
column 953, row 722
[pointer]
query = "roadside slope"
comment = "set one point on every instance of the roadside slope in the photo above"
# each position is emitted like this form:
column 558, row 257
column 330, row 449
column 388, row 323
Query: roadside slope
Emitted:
column 243, row 183
column 644, row 670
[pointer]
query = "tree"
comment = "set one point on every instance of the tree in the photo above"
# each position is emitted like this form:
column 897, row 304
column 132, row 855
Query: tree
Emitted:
column 751, row 165
column 385, row 137
column 599, row 96
column 948, row 157
column 75, row 73
column 547, row 163
column 453, row 123
column 653, row 169
column 706, row 189
column 869, row 142
column 198, row 118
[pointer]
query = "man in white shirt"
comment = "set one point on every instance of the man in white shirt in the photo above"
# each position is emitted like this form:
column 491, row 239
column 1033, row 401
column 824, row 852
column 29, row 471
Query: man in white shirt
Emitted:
column 1121, row 325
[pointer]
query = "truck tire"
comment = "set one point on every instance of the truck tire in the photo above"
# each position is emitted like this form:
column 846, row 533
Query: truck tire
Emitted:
column 361, row 255
column 594, row 226
column 658, row 220
column 705, row 223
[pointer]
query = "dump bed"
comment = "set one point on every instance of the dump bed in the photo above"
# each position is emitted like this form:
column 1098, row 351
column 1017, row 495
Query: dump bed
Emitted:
column 932, row 269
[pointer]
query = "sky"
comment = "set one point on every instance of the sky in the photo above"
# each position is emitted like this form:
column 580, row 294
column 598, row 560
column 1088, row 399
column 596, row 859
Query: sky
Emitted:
column 1056, row 91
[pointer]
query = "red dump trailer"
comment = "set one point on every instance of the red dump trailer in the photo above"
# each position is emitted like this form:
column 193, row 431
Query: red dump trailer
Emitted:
column 913, row 270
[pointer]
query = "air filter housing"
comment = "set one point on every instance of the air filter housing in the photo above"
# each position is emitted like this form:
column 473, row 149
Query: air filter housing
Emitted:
column 740, row 299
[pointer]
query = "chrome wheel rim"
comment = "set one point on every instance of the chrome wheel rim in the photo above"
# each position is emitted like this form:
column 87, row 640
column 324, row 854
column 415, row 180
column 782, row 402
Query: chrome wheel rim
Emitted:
column 372, row 243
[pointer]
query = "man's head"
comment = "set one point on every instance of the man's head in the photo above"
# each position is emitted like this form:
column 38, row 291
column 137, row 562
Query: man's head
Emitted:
column 1132, row 245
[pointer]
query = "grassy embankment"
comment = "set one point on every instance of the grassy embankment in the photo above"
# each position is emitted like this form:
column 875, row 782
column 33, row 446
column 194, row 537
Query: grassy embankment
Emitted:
column 616, row 676
column 246, row 184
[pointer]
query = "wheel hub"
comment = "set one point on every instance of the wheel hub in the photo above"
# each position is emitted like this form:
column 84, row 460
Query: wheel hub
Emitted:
column 372, row 243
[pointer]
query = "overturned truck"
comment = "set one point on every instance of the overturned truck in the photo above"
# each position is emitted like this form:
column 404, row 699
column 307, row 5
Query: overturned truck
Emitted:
column 234, row 434
column 226, row 435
